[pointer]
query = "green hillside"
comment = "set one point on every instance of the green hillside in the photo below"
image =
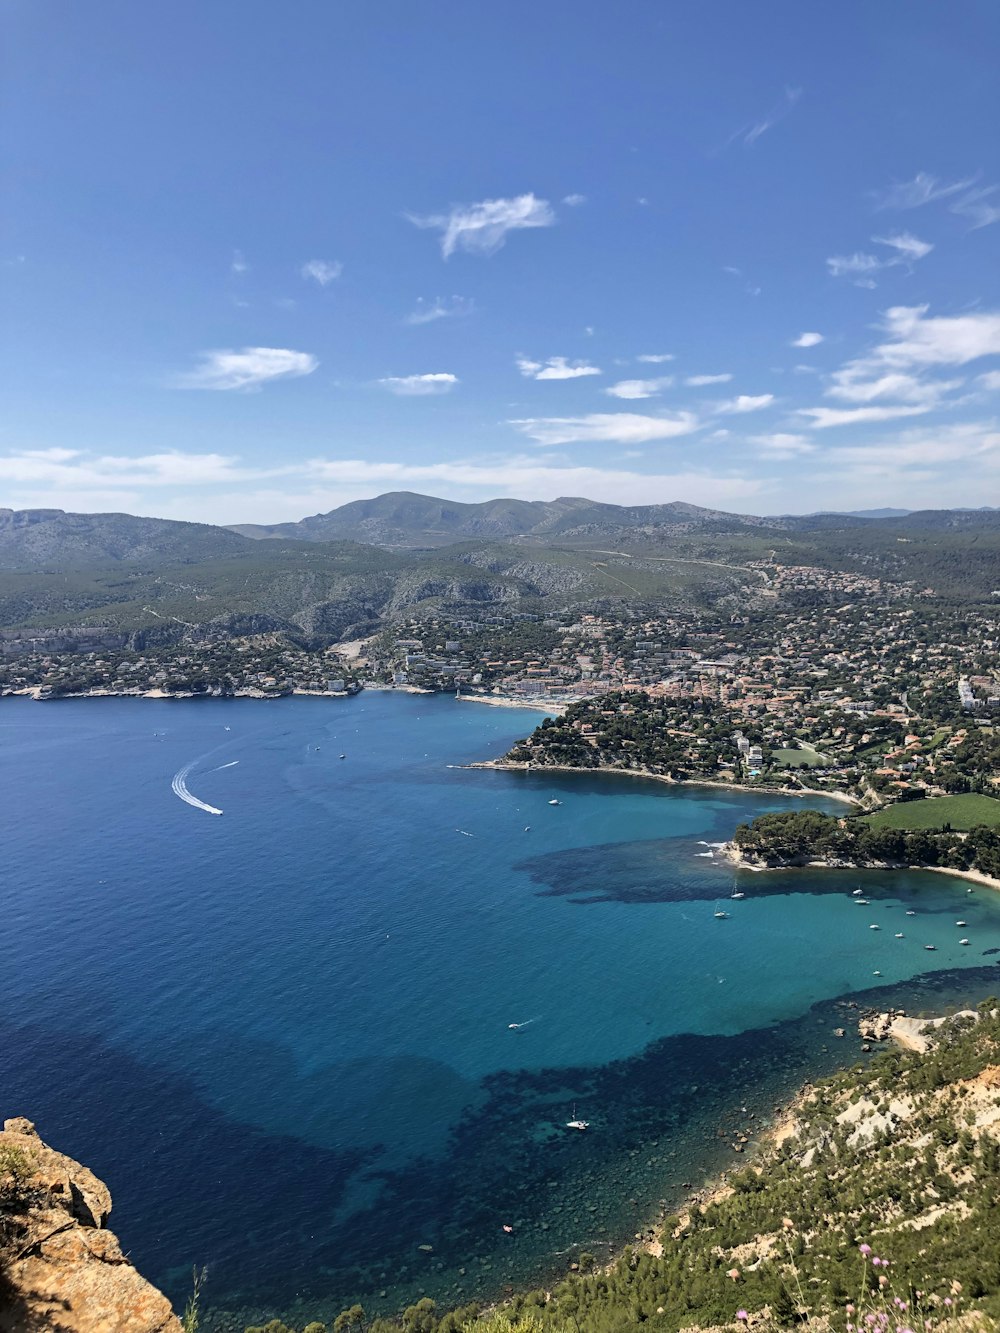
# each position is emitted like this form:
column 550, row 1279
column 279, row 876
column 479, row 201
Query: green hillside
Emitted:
column 957, row 812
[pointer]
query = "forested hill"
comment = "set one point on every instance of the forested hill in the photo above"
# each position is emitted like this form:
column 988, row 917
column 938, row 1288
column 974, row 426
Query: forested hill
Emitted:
column 369, row 563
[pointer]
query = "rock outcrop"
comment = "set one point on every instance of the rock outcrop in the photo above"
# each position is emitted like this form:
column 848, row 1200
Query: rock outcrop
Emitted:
column 60, row 1269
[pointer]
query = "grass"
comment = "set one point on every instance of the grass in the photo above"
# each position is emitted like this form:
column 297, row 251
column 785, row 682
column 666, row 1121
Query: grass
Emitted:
column 806, row 757
column 960, row 812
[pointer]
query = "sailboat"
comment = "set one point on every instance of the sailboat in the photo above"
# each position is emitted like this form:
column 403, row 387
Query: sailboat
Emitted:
column 737, row 893
column 720, row 915
column 575, row 1123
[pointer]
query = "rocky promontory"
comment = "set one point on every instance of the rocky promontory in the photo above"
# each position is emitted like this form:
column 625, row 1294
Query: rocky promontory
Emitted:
column 60, row 1268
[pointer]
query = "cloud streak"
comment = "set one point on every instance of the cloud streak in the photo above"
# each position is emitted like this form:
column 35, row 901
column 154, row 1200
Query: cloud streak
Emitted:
column 482, row 229
column 441, row 307
column 640, row 388
column 249, row 368
column 419, row 386
column 749, row 134
column 555, row 368
column 606, row 427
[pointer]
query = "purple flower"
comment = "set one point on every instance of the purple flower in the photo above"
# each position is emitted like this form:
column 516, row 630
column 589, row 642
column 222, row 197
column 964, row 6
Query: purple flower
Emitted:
column 742, row 1314
column 865, row 1249
column 876, row 1261
column 947, row 1300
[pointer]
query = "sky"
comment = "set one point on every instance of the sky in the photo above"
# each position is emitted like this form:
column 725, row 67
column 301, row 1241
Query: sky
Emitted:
column 259, row 260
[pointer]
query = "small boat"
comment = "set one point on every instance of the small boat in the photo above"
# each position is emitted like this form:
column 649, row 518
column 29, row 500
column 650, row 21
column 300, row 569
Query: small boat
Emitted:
column 555, row 802
column 577, row 1124
column 876, row 973
column 910, row 912
column 858, row 893
column 963, row 941
column 343, row 756
column 961, row 923
column 737, row 893
column 930, row 946
column 899, row 935
column 722, row 916
column 874, row 927
column 862, row 902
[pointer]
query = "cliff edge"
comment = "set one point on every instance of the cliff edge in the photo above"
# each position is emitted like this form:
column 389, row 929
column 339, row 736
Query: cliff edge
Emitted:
column 60, row 1268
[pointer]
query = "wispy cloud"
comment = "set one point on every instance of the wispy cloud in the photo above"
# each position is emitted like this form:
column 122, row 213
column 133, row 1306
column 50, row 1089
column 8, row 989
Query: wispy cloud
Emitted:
column 655, row 358
column 640, row 388
column 783, row 445
column 248, row 368
column 700, row 381
column 238, row 263
column 981, row 207
column 575, row 200
column 440, row 308
column 749, row 134
column 745, row 402
column 989, row 381
column 906, row 247
column 606, row 427
column 419, row 386
column 322, row 271
column 555, row 368
column 854, row 383
column 850, row 266
column 923, row 189
column 807, row 340
column 822, row 417
column 481, row 229
column 943, row 340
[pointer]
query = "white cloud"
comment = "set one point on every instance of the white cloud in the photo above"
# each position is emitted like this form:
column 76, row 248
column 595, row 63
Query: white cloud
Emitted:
column 861, row 265
column 807, row 340
column 238, row 264
column 981, row 207
column 419, row 386
column 923, row 189
column 822, row 417
column 481, row 229
column 990, row 381
column 575, row 200
column 699, row 381
column 907, row 246
column 944, row 340
column 76, row 470
column 783, row 445
column 440, row 308
column 323, row 271
column 749, row 134
column 640, row 388
column 854, row 387
column 248, row 368
column 746, row 402
column 846, row 266
column 613, row 427
column 655, row 358
column 967, row 443
column 555, row 368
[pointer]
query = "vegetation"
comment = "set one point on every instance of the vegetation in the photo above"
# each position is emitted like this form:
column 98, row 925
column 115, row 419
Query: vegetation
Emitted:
column 881, row 1203
column 960, row 813
column 795, row 836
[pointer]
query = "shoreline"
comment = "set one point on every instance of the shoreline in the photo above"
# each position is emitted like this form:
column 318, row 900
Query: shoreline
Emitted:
column 505, row 766
column 733, row 855
column 556, row 708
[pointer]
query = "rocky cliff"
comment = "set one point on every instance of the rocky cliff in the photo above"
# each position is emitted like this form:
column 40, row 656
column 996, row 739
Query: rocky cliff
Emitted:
column 60, row 1268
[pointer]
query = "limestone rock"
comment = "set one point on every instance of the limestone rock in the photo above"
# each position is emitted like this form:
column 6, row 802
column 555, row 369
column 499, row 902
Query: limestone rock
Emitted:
column 62, row 1270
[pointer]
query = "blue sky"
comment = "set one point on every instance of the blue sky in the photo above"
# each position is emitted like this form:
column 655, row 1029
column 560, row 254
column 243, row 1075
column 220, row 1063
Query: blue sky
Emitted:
column 260, row 260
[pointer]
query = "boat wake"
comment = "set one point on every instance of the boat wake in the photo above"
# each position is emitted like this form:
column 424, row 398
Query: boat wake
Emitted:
column 179, row 788
column 232, row 764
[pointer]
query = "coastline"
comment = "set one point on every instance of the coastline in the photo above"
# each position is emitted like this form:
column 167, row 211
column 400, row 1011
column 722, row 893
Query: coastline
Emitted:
column 507, row 766
column 733, row 854
column 556, row 709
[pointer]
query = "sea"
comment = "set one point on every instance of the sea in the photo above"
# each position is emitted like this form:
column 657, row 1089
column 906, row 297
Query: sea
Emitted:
column 326, row 1044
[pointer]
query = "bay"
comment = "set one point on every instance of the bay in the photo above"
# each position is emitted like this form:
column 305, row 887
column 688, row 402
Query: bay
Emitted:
column 284, row 1035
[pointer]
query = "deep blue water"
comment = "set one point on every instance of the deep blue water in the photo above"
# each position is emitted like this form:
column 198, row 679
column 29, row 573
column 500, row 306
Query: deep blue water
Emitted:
column 282, row 1036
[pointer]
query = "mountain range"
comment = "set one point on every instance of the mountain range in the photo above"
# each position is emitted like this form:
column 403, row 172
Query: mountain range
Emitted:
column 369, row 562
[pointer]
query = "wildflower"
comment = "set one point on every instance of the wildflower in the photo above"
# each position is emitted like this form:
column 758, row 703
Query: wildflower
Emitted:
column 882, row 1280
column 956, row 1287
column 947, row 1300
column 876, row 1261
column 742, row 1314
column 734, row 1273
column 849, row 1308
column 865, row 1249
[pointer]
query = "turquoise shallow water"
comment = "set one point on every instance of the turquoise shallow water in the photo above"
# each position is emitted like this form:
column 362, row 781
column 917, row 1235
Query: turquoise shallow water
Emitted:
column 283, row 1036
